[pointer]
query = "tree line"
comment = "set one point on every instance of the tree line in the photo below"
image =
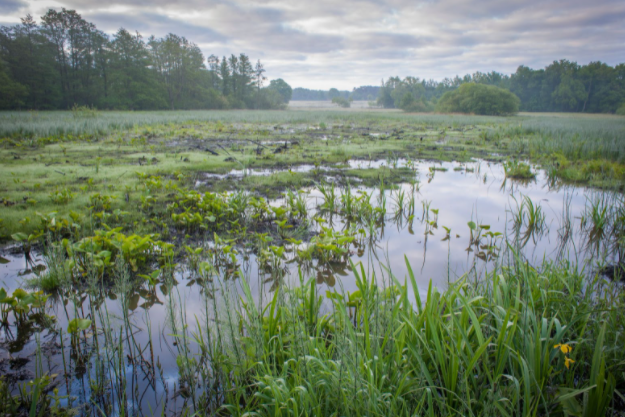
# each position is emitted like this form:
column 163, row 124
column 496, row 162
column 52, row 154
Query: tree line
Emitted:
column 65, row 61
column 365, row 92
column 562, row 86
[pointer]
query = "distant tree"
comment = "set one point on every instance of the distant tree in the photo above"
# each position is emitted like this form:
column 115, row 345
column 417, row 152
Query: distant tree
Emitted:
column 270, row 99
column 29, row 59
column 213, row 68
column 365, row 92
column 180, row 68
column 233, row 64
column 246, row 80
column 224, row 74
column 285, row 90
column 132, row 83
column 569, row 95
column 481, row 99
column 76, row 43
column 341, row 101
column 408, row 94
column 333, row 92
column 259, row 75
column 12, row 93
column 385, row 98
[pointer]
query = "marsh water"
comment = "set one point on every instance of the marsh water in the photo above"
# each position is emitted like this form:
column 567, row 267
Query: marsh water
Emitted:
column 454, row 202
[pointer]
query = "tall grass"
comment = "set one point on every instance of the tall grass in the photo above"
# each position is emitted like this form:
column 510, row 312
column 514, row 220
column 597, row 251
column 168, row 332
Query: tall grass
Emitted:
column 521, row 342
column 48, row 123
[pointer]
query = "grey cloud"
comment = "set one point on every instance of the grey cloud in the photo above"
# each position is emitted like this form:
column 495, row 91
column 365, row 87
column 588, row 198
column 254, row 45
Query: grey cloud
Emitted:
column 82, row 5
column 11, row 6
column 381, row 40
column 283, row 39
column 352, row 42
column 155, row 24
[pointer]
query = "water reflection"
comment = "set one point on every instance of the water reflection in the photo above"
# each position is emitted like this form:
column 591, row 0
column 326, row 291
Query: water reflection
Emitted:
column 452, row 219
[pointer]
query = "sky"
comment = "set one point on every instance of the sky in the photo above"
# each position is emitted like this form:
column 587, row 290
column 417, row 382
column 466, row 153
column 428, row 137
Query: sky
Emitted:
column 321, row 44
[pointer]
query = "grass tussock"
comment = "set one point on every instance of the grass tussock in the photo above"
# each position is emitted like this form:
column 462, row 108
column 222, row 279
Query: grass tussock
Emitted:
column 518, row 170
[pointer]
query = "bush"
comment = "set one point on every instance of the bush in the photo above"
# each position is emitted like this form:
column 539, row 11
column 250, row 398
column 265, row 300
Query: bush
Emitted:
column 479, row 99
column 341, row 101
column 621, row 110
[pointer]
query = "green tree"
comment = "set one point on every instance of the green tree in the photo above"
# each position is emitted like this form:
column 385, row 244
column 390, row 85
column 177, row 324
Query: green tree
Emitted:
column 133, row 84
column 282, row 88
column 385, row 98
column 30, row 60
column 569, row 94
column 341, row 101
column 480, row 99
column 246, row 80
column 224, row 74
column 180, row 67
column 12, row 93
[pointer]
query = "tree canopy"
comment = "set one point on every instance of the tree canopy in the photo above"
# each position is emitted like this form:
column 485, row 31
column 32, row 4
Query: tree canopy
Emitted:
column 65, row 61
column 479, row 99
column 282, row 88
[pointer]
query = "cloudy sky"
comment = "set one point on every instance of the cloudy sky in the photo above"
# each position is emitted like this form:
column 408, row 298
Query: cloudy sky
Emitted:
column 347, row 43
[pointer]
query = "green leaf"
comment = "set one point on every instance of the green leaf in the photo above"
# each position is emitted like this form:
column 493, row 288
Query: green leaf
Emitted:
column 20, row 294
column 4, row 261
column 77, row 325
column 20, row 237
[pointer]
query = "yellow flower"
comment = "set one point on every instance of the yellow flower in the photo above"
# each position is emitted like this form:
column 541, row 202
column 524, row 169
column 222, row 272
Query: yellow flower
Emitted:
column 568, row 362
column 564, row 347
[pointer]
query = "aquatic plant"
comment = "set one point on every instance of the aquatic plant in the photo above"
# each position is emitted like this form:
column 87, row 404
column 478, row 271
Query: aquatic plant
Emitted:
column 330, row 197
column 528, row 219
column 518, row 170
column 295, row 357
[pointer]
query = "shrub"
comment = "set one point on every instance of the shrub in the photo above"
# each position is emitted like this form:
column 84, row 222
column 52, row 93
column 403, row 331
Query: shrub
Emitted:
column 479, row 99
column 341, row 101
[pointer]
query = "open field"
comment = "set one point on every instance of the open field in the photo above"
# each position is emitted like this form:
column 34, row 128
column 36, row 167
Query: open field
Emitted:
column 311, row 262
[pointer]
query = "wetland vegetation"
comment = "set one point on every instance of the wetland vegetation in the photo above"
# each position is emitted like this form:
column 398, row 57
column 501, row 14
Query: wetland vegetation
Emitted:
column 327, row 262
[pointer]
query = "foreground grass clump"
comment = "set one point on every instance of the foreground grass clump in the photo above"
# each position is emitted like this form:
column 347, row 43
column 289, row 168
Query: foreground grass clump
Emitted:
column 521, row 342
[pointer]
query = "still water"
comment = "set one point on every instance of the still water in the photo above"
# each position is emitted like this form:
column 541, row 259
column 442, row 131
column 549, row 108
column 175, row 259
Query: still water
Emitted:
column 435, row 238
